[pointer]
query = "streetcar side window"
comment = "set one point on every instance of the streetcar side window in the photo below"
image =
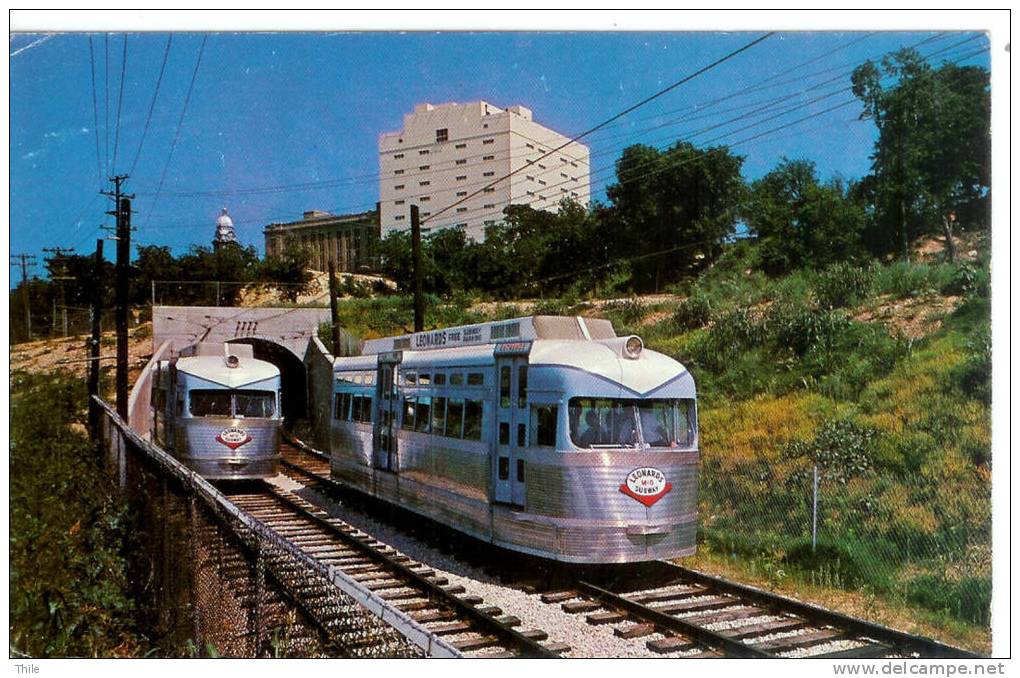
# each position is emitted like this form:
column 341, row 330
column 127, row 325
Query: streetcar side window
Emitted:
column 439, row 379
column 407, row 422
column 457, row 379
column 439, row 415
column 422, row 414
column 543, row 424
column 473, row 420
column 454, row 417
column 476, row 379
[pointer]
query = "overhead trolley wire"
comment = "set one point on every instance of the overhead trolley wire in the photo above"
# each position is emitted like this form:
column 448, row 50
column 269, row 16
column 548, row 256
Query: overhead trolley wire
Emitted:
column 690, row 110
column 152, row 104
column 95, row 114
column 120, row 102
column 177, row 134
column 617, row 116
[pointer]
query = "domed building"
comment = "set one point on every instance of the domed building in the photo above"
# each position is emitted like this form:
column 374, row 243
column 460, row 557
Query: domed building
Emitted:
column 225, row 234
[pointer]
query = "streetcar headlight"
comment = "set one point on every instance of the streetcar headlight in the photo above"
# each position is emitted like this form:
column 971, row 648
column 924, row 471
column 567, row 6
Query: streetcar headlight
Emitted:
column 632, row 348
column 233, row 361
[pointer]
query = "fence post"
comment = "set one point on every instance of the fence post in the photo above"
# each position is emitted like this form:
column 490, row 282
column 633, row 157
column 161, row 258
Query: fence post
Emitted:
column 814, row 511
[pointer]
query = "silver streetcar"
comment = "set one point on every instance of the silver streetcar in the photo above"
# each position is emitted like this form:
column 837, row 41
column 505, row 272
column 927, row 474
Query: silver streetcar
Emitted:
column 546, row 435
column 217, row 409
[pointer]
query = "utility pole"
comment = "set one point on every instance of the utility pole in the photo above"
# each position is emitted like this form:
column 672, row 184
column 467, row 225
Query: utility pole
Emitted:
column 122, row 212
column 419, row 299
column 26, row 261
column 97, row 332
column 334, row 314
column 59, row 257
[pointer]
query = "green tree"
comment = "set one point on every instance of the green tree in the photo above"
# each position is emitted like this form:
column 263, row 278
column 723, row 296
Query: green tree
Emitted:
column 932, row 159
column 682, row 202
column 289, row 270
column 801, row 222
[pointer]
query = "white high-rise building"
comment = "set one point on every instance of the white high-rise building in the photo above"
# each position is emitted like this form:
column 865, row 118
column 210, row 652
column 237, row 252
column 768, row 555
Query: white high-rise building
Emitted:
column 448, row 152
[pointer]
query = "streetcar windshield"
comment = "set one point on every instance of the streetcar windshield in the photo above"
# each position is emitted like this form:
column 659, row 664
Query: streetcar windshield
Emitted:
column 605, row 422
column 223, row 403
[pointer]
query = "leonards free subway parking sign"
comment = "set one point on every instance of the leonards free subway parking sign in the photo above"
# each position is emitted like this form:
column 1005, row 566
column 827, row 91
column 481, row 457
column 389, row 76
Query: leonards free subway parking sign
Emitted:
column 648, row 485
column 233, row 437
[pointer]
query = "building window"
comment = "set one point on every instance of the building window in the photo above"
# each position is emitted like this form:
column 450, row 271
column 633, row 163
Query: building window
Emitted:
column 423, row 167
column 490, row 189
column 461, row 146
column 461, row 226
column 422, row 183
column 398, row 156
column 485, row 125
column 398, row 202
column 541, row 183
column 398, row 171
column 462, row 177
column 462, row 161
column 398, row 187
column 488, row 157
column 573, row 164
column 564, row 160
column 564, row 175
column 530, row 145
column 425, row 198
column 442, row 135
column 462, row 209
column 490, row 222
column 425, row 214
column 563, row 190
column 488, row 174
column 461, row 194
column 423, row 151
column 488, row 141
column 489, row 206
column 541, row 166
column 399, row 217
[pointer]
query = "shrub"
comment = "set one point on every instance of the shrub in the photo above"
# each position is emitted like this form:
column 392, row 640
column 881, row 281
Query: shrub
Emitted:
column 902, row 279
column 974, row 374
column 968, row 599
column 842, row 285
column 842, row 449
column 628, row 312
column 801, row 328
column 964, row 280
column 692, row 313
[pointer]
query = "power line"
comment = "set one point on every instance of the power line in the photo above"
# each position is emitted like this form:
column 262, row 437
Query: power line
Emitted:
column 760, row 85
column 106, row 105
column 177, row 134
column 95, row 113
column 120, row 101
column 152, row 104
column 617, row 116
column 763, row 106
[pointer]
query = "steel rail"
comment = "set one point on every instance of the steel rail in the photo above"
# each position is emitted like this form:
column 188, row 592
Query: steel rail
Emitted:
column 487, row 624
column 900, row 640
column 699, row 634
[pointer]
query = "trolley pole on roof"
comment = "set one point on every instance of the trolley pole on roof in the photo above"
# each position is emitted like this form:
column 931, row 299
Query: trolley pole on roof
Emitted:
column 93, row 344
column 419, row 299
column 334, row 314
column 122, row 211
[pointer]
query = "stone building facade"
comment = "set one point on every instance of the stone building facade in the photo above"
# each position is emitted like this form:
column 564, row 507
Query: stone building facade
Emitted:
column 349, row 240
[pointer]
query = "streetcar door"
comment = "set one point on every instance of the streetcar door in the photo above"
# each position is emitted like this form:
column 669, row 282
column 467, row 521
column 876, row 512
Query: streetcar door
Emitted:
column 384, row 438
column 510, row 472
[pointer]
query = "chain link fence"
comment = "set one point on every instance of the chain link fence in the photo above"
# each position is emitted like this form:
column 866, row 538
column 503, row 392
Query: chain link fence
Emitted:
column 211, row 582
column 924, row 539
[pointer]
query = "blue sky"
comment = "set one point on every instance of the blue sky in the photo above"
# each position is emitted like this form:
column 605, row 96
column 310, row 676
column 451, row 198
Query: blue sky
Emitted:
column 269, row 111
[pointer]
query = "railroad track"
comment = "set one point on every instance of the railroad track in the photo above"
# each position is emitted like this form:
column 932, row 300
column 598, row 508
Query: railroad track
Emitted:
column 691, row 614
column 697, row 615
column 442, row 610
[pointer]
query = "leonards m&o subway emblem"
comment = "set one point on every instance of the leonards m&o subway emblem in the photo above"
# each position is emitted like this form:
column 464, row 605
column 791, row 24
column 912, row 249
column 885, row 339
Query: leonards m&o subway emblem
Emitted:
column 233, row 437
column 648, row 485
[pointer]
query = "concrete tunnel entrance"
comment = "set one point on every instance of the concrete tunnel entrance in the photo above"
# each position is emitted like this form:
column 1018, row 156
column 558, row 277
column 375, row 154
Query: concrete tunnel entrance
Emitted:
column 293, row 380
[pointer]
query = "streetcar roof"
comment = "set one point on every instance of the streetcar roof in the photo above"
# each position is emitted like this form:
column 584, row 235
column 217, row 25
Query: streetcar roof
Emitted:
column 209, row 362
column 528, row 328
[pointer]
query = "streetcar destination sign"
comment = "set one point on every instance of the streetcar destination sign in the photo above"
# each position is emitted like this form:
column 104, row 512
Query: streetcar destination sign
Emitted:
column 647, row 485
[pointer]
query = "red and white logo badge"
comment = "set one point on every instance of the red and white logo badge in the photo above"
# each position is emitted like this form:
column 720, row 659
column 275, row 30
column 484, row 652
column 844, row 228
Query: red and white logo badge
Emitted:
column 233, row 437
column 647, row 485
